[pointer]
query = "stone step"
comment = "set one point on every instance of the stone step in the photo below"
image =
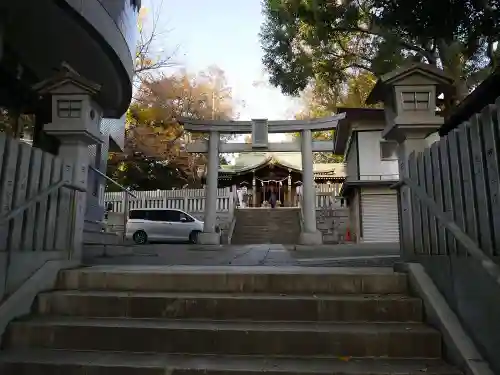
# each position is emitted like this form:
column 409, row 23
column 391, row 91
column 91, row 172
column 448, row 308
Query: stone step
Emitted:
column 261, row 241
column 266, row 226
column 254, row 279
column 274, row 227
column 261, row 220
column 394, row 340
column 264, row 234
column 44, row 362
column 216, row 306
column 264, row 223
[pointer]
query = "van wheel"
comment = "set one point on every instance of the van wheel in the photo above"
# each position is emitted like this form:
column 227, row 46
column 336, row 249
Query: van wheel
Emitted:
column 140, row 237
column 193, row 236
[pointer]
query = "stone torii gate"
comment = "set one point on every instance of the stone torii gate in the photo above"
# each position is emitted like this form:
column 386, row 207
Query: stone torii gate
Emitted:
column 260, row 128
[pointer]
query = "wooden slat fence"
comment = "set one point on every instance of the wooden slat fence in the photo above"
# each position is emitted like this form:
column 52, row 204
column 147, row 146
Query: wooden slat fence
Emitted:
column 42, row 231
column 189, row 200
column 461, row 174
column 450, row 222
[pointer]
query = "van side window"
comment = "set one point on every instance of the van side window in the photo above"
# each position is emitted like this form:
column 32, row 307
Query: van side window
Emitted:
column 137, row 214
column 173, row 216
column 157, row 215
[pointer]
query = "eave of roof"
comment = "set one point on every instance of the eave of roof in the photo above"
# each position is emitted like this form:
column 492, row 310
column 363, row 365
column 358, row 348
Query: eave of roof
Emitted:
column 344, row 127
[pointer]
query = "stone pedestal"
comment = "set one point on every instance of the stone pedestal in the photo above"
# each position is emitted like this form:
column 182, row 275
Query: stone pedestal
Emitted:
column 409, row 140
column 207, row 238
column 311, row 238
column 79, row 152
column 75, row 122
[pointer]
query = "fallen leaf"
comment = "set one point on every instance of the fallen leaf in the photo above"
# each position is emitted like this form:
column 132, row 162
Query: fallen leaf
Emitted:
column 345, row 359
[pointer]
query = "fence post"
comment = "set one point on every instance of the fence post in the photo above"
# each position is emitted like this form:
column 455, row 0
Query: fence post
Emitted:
column 164, row 204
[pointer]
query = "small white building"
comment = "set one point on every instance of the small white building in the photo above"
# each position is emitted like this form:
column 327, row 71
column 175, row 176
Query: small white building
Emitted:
column 371, row 168
column 410, row 98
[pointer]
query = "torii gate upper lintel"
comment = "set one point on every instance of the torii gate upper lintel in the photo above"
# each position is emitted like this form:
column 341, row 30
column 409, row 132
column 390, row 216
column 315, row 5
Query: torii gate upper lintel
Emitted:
column 260, row 129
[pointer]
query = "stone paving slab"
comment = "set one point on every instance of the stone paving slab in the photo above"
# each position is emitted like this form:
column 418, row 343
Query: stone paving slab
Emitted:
column 203, row 364
column 190, row 269
column 252, row 255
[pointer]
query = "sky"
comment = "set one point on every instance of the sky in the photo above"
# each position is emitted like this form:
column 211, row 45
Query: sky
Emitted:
column 217, row 32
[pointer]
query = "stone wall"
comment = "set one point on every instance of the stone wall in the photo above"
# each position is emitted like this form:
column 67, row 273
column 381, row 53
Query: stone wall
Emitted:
column 333, row 223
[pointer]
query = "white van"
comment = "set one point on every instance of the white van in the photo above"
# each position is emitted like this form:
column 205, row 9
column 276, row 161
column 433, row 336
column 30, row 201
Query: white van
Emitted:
column 159, row 224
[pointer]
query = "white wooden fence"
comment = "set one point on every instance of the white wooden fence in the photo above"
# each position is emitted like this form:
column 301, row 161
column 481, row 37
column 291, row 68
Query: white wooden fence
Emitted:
column 193, row 200
column 189, row 200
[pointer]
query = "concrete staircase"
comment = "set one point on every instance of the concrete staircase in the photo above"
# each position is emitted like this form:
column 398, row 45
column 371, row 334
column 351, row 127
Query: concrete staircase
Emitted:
column 262, row 225
column 225, row 321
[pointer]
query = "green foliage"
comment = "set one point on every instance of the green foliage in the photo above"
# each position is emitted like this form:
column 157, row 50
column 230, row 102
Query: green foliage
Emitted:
column 319, row 100
column 8, row 123
column 326, row 41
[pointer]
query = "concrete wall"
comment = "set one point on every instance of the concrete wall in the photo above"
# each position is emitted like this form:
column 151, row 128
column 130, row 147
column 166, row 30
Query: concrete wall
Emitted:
column 370, row 163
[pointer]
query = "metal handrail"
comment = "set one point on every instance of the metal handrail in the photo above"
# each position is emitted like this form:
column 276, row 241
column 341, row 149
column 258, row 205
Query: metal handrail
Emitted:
column 232, row 225
column 37, row 198
column 473, row 249
column 127, row 193
column 123, row 188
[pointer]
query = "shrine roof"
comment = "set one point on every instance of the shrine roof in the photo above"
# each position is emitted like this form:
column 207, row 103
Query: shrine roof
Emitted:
column 291, row 160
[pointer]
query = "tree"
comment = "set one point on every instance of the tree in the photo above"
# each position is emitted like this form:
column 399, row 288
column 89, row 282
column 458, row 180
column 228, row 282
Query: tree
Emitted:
column 328, row 41
column 155, row 155
column 151, row 57
column 319, row 100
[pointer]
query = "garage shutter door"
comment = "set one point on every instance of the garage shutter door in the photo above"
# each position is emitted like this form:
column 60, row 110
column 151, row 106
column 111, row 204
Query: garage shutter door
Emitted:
column 380, row 218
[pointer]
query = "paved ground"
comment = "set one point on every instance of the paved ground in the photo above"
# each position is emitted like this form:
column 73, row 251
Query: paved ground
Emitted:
column 249, row 255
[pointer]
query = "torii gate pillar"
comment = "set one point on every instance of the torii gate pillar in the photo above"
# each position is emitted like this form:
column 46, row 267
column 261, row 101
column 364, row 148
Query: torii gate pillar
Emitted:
column 310, row 234
column 209, row 236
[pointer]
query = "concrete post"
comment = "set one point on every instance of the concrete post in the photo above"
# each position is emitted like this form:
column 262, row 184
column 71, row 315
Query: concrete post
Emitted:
column 310, row 235
column 209, row 235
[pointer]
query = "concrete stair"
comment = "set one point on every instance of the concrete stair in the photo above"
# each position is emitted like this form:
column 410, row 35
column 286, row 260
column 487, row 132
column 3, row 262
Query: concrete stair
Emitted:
column 260, row 226
column 225, row 320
